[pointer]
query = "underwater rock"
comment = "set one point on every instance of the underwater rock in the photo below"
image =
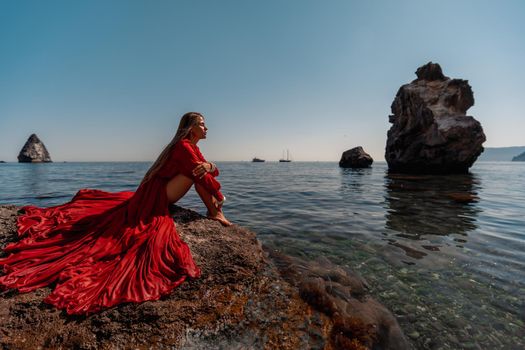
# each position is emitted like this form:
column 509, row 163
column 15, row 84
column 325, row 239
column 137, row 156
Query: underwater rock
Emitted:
column 343, row 295
column 430, row 131
column 34, row 151
column 355, row 158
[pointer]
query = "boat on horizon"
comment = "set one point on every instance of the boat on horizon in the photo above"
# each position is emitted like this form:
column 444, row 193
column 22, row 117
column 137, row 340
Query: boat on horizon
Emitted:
column 257, row 160
column 287, row 160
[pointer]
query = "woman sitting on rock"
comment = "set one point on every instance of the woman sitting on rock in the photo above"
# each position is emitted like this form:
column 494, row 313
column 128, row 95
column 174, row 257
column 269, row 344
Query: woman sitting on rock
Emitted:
column 183, row 154
column 103, row 248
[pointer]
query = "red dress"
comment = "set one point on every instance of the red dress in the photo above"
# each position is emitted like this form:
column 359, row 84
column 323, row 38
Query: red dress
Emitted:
column 105, row 248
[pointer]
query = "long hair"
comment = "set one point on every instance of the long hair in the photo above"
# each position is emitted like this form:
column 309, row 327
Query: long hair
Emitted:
column 187, row 122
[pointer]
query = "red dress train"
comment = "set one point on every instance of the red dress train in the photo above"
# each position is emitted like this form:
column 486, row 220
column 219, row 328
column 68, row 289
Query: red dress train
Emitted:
column 102, row 248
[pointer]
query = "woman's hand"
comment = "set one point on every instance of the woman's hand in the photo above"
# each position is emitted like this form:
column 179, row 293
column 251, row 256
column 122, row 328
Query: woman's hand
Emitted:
column 201, row 169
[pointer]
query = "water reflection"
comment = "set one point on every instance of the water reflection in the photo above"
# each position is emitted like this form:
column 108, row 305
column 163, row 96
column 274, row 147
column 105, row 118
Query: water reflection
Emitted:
column 34, row 178
column 352, row 180
column 419, row 206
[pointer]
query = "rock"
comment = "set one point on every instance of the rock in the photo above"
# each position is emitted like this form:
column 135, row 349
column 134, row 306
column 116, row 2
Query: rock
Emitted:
column 242, row 300
column 34, row 151
column 519, row 158
column 342, row 294
column 430, row 71
column 355, row 158
column 431, row 132
column 414, row 335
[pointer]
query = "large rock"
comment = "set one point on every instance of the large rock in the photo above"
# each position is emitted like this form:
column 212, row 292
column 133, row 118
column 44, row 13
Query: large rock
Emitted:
column 355, row 158
column 243, row 300
column 34, row 151
column 431, row 132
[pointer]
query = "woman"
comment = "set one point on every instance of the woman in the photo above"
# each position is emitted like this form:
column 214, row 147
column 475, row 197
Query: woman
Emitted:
column 183, row 152
column 102, row 248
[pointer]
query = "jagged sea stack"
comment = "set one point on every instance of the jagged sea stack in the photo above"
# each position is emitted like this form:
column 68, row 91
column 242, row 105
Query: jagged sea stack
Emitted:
column 355, row 158
column 431, row 132
column 34, row 151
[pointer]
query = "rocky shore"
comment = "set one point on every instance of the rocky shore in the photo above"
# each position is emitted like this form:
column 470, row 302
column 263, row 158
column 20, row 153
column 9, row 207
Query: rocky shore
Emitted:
column 247, row 297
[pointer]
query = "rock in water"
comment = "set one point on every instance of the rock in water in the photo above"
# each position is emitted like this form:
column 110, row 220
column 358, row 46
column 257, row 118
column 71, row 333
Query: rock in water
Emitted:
column 34, row 151
column 431, row 132
column 355, row 158
column 243, row 300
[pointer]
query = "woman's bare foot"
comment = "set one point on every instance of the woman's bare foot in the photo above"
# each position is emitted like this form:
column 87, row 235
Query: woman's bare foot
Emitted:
column 219, row 216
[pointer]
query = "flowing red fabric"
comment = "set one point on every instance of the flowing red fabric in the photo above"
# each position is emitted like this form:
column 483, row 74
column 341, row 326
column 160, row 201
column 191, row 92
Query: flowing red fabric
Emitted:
column 103, row 248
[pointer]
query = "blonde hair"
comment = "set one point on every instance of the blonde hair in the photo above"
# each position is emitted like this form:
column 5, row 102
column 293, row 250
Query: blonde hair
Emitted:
column 187, row 122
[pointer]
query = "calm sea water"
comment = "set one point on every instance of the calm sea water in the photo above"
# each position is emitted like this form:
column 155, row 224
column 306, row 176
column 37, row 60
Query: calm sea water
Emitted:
column 445, row 253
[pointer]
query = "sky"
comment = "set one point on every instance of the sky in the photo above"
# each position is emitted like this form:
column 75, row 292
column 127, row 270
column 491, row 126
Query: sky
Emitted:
column 109, row 80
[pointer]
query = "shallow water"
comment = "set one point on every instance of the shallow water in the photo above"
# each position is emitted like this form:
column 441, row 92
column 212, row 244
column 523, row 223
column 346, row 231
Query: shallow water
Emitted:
column 445, row 253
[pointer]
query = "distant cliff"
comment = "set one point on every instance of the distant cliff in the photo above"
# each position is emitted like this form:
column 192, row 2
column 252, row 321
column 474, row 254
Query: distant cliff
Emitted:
column 519, row 158
column 500, row 154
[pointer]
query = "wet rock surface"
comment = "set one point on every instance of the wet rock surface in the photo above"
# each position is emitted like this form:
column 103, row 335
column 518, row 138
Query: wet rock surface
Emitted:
column 242, row 300
column 355, row 158
column 34, row 151
column 431, row 132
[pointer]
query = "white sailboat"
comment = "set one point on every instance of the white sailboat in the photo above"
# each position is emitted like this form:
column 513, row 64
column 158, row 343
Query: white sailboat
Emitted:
column 287, row 159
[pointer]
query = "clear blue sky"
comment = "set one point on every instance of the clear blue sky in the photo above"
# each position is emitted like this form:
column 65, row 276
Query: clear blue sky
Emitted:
column 109, row 80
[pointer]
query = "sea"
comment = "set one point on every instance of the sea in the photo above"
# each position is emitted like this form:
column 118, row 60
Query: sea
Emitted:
column 446, row 254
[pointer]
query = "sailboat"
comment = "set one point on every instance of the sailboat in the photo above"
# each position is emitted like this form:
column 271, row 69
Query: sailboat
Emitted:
column 287, row 160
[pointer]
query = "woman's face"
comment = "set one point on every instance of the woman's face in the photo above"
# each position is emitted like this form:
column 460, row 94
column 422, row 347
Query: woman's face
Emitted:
column 199, row 131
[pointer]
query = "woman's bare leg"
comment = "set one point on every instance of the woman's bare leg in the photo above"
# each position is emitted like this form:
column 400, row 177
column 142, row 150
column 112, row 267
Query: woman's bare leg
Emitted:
column 177, row 187
column 211, row 204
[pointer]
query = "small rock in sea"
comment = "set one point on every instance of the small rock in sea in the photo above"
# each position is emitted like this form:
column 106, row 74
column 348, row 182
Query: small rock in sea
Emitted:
column 431, row 132
column 34, row 151
column 355, row 158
